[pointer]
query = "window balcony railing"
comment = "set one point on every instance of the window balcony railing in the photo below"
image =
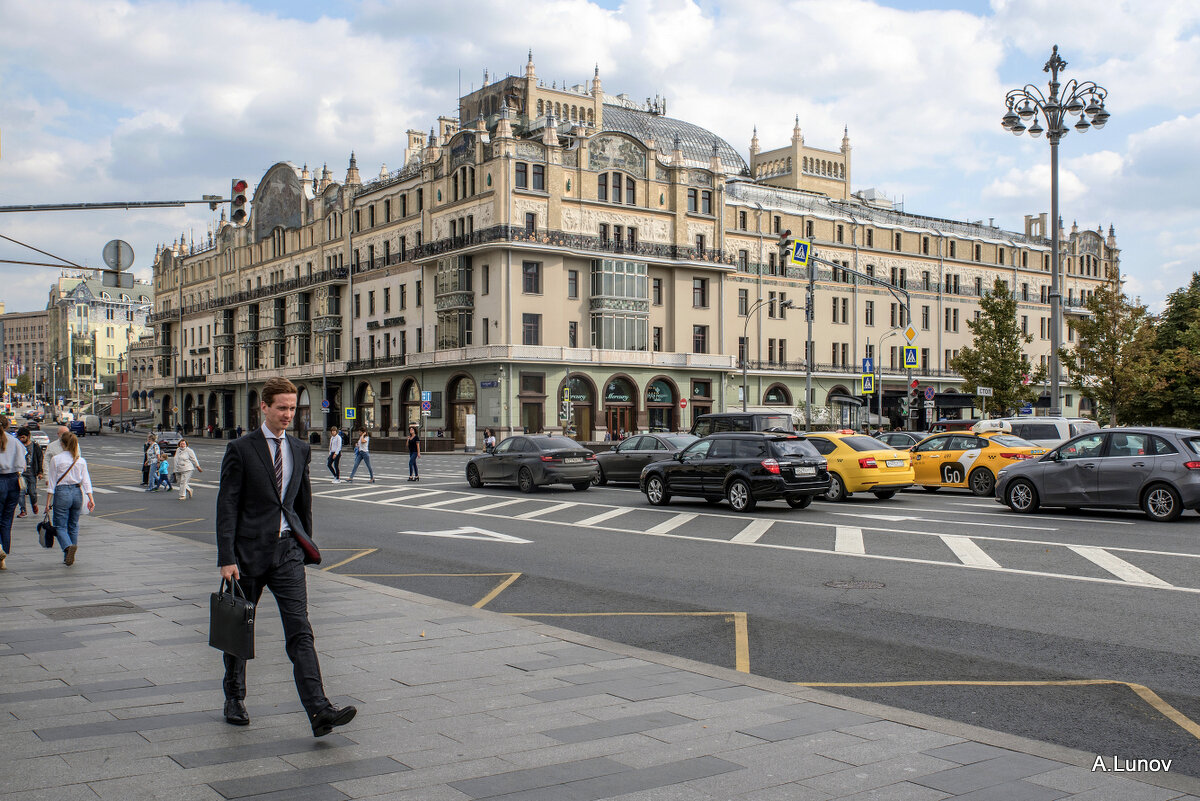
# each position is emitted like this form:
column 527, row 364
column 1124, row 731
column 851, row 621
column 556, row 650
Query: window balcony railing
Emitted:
column 381, row 363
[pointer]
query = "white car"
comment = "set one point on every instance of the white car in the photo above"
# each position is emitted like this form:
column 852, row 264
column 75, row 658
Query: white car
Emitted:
column 40, row 438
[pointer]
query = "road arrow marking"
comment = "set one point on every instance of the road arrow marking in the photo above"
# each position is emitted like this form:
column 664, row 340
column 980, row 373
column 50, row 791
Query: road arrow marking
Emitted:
column 471, row 533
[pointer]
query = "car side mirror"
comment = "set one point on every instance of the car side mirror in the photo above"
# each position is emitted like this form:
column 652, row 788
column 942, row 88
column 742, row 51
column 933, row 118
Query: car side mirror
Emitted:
column 679, row 456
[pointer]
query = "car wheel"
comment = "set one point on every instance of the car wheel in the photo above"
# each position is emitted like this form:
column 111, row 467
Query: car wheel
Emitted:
column 1021, row 496
column 580, row 486
column 1162, row 504
column 837, row 489
column 931, row 489
column 740, row 497
column 473, row 476
column 599, row 479
column 982, row 482
column 525, row 480
column 886, row 495
column 656, row 491
column 803, row 502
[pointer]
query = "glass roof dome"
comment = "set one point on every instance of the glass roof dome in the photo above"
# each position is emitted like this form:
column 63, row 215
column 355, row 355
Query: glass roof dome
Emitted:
column 695, row 141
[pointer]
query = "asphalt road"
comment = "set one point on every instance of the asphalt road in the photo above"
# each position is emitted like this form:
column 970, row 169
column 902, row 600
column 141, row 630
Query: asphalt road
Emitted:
column 1073, row 629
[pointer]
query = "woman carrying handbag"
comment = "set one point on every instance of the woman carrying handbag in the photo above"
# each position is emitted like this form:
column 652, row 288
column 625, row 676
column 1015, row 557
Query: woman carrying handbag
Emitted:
column 67, row 482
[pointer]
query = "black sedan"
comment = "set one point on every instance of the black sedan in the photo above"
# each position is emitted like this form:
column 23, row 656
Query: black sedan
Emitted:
column 902, row 440
column 1156, row 470
column 168, row 442
column 532, row 461
column 744, row 468
column 625, row 462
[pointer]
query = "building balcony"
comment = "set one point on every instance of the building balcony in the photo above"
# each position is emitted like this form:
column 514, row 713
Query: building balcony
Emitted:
column 454, row 300
column 576, row 356
column 270, row 333
column 382, row 363
column 223, row 340
column 192, row 379
column 327, row 324
column 299, row 328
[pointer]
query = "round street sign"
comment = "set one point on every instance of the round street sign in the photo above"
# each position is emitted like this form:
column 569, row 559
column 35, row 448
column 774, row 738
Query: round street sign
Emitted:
column 929, row 393
column 118, row 255
column 683, row 403
column 324, row 405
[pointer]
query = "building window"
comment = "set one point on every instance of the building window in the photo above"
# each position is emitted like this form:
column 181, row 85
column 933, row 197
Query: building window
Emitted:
column 870, row 238
column 692, row 201
column 487, row 279
column 531, row 329
column 357, row 306
column 953, row 250
column 602, row 186
column 572, row 285
column 742, row 220
column 925, row 318
column 978, row 252
column 699, row 339
column 706, row 202
column 530, row 222
column 531, row 277
column 630, row 192
column 658, row 335
column 775, row 224
column 743, row 261
column 656, row 287
column 539, row 177
column 700, row 249
column 925, row 245
column 841, row 233
column 979, row 287
column 896, row 242
column 700, row 294
column 869, row 318
column 387, row 300
column 808, row 229
column 417, row 293
column 522, row 175
column 999, row 255
column 743, row 302
column 572, row 334
column 925, row 280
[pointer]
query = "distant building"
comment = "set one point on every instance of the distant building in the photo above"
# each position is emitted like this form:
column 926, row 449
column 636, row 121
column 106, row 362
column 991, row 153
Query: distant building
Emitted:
column 23, row 343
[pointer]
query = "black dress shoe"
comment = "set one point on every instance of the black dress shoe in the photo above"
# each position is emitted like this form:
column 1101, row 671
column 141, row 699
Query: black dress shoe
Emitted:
column 235, row 713
column 324, row 721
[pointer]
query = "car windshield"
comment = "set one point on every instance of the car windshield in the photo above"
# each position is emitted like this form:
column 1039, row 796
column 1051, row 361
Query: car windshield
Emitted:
column 783, row 421
column 794, row 447
column 681, row 441
column 556, row 444
column 1010, row 441
column 866, row 444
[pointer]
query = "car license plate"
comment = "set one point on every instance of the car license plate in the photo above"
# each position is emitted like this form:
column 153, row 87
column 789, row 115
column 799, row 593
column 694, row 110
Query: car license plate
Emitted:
column 806, row 471
column 573, row 460
column 895, row 463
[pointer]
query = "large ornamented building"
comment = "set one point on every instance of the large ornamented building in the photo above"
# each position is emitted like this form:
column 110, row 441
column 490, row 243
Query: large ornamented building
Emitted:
column 560, row 259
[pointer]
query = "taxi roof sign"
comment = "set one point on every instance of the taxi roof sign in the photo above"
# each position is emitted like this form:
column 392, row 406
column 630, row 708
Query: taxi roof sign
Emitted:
column 993, row 426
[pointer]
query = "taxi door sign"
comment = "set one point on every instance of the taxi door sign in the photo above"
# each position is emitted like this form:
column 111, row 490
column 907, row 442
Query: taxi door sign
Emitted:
column 868, row 383
column 911, row 361
column 800, row 251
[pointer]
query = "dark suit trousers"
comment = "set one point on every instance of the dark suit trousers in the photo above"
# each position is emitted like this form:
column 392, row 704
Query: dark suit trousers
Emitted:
column 285, row 579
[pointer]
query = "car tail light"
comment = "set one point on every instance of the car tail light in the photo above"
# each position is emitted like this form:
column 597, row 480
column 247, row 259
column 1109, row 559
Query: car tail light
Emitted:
column 549, row 458
column 1017, row 456
column 867, row 461
column 771, row 466
column 591, row 457
column 1192, row 465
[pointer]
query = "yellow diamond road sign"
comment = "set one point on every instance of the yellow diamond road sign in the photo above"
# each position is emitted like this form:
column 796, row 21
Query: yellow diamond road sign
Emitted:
column 910, row 333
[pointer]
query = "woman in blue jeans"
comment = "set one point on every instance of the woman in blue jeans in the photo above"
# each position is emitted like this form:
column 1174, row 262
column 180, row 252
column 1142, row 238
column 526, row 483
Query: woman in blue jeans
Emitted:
column 67, row 482
column 12, row 463
column 362, row 453
column 414, row 452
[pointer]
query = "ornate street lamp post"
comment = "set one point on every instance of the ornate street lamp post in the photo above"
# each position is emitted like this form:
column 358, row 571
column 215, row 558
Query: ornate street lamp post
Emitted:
column 1027, row 109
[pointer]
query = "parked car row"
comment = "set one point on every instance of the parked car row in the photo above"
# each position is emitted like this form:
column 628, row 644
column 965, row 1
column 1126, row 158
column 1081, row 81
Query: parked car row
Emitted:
column 1154, row 469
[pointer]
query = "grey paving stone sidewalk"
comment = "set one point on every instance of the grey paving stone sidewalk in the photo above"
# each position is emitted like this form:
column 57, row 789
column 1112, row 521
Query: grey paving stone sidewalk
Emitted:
column 110, row 691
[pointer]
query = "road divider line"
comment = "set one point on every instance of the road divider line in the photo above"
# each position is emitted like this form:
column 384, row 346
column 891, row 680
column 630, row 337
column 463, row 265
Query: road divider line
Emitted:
column 1117, row 566
column 672, row 524
column 558, row 507
column 753, row 531
column 967, row 551
column 849, row 540
column 403, row 498
column 600, row 518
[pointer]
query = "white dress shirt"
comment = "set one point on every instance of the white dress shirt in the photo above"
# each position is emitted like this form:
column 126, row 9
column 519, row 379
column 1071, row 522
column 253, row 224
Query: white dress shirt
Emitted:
column 12, row 458
column 272, row 443
column 59, row 474
column 335, row 444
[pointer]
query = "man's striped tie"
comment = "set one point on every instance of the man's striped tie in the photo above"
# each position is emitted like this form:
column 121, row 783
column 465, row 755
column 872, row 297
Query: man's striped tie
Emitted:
column 279, row 464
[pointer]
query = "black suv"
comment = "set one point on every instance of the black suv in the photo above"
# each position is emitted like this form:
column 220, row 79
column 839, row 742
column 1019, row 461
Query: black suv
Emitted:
column 743, row 467
column 717, row 422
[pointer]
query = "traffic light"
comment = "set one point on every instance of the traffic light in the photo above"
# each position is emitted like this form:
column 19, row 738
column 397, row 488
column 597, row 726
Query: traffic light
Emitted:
column 914, row 391
column 786, row 243
column 239, row 204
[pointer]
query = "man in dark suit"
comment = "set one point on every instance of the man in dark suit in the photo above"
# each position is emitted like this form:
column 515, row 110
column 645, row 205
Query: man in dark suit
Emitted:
column 264, row 496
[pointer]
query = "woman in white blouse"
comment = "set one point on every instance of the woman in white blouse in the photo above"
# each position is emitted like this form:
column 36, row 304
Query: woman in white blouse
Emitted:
column 185, row 463
column 12, row 464
column 67, row 482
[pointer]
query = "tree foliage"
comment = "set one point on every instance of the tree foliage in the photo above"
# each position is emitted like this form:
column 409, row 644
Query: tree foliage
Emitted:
column 24, row 383
column 1114, row 359
column 995, row 357
column 1175, row 399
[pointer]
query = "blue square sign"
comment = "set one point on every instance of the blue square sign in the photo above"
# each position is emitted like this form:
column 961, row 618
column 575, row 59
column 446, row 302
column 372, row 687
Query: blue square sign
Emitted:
column 868, row 365
column 911, row 360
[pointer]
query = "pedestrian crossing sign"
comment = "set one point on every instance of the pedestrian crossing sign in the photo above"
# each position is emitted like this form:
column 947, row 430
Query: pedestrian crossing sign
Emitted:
column 868, row 384
column 910, row 358
column 800, row 252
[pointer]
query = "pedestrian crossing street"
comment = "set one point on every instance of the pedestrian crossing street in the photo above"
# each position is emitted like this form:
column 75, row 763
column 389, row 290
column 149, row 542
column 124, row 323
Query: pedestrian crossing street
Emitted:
column 912, row 532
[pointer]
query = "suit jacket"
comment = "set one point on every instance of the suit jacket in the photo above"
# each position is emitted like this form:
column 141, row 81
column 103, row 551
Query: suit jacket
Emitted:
column 248, row 504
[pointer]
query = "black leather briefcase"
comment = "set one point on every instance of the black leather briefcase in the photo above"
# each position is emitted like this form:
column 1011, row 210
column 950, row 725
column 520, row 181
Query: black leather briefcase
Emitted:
column 231, row 621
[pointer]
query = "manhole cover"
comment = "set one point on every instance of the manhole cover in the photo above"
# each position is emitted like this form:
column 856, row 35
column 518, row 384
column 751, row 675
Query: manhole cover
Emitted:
column 856, row 585
column 92, row 610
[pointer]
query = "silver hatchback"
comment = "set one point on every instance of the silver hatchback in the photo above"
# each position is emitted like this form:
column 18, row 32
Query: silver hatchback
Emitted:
column 1156, row 470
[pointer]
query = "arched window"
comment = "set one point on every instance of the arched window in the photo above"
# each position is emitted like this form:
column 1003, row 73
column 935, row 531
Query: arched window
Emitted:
column 541, row 107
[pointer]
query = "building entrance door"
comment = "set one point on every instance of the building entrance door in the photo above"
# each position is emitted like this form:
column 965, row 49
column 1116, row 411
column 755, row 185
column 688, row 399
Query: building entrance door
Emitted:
column 620, row 422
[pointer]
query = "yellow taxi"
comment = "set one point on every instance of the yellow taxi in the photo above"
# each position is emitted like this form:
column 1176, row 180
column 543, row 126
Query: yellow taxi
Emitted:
column 970, row 459
column 858, row 463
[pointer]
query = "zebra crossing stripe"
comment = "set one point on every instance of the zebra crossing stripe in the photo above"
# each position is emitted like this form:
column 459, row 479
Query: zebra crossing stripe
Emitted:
column 671, row 524
column 753, row 531
column 558, row 507
column 967, row 551
column 849, row 540
column 1117, row 566
column 600, row 518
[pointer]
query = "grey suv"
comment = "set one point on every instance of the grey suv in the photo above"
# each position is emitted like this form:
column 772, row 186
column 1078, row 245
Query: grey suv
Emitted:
column 1156, row 470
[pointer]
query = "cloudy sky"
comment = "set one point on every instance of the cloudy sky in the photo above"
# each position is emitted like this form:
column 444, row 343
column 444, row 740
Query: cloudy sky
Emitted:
column 108, row 100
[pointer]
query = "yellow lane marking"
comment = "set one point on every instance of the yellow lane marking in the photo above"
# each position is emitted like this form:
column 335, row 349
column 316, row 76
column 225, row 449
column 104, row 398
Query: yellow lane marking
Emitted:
column 509, row 578
column 122, row 512
column 361, row 553
column 741, row 637
column 501, row 587
column 1145, row 693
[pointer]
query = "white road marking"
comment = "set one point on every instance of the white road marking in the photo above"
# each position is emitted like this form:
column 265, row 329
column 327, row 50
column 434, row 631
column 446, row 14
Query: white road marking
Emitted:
column 753, row 531
column 600, row 518
column 131, row 489
column 967, row 551
column 998, row 511
column 558, row 507
column 443, row 502
column 404, row 498
column 471, row 533
column 890, row 519
column 479, row 509
column 849, row 540
column 672, row 524
column 1117, row 566
column 103, row 491
column 360, row 496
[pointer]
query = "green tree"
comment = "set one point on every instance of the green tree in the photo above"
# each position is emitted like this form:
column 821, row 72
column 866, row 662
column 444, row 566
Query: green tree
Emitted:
column 1175, row 399
column 1114, row 359
column 995, row 358
column 24, row 383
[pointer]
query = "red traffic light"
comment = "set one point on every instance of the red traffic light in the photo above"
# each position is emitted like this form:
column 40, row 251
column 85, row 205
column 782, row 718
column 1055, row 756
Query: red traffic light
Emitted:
column 238, row 200
column 240, row 186
column 914, row 384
